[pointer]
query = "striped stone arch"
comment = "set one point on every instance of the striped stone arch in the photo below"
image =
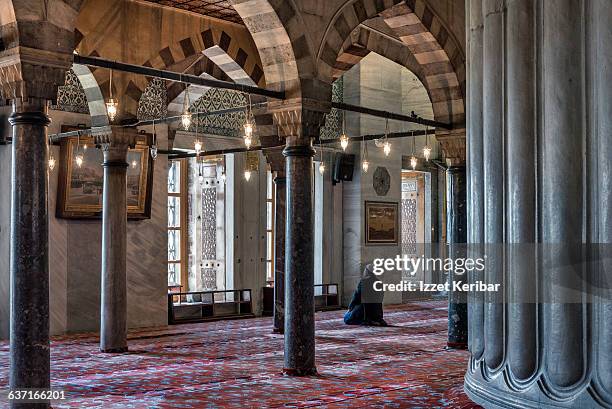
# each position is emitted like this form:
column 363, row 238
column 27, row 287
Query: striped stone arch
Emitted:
column 272, row 25
column 95, row 100
column 195, row 48
column 362, row 41
column 434, row 49
column 194, row 45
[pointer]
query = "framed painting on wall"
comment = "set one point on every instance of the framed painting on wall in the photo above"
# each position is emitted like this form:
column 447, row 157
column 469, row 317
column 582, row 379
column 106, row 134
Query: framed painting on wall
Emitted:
column 381, row 223
column 79, row 193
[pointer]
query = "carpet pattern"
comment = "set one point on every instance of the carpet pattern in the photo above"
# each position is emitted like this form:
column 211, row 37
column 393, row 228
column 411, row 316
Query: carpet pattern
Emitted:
column 237, row 364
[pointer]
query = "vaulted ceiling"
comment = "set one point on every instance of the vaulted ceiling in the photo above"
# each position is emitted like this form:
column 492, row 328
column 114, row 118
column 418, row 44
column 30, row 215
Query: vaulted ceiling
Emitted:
column 221, row 9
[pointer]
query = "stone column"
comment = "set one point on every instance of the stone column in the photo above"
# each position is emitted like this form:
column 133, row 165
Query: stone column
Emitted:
column 493, row 174
column 279, row 252
column 456, row 230
column 113, row 309
column 29, row 265
column 475, row 193
column 546, row 168
column 299, row 124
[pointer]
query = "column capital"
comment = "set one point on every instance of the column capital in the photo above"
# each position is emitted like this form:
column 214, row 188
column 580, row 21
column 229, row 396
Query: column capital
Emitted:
column 115, row 144
column 452, row 143
column 28, row 73
column 299, row 118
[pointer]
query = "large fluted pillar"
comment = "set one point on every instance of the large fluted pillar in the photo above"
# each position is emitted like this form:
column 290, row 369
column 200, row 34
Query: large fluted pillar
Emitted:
column 475, row 188
column 29, row 266
column 456, row 226
column 545, row 341
column 299, row 124
column 113, row 309
column 280, row 182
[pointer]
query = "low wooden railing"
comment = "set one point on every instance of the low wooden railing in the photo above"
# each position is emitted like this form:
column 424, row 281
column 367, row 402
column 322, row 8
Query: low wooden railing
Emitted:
column 199, row 306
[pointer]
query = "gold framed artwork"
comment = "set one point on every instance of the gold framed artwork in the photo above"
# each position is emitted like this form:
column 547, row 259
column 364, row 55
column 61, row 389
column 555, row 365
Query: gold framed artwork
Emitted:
column 381, row 223
column 79, row 193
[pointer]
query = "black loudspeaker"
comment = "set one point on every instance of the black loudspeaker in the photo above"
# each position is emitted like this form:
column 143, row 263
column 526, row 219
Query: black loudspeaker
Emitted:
column 344, row 165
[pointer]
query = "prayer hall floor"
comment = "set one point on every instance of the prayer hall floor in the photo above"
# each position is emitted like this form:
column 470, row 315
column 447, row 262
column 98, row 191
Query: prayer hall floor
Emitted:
column 237, row 364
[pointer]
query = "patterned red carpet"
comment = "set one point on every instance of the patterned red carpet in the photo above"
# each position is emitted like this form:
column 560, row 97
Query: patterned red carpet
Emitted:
column 236, row 364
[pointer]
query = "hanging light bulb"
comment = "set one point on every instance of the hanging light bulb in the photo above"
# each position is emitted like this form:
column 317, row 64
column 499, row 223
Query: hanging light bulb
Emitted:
column 387, row 148
column 413, row 162
column 51, row 162
column 427, row 153
column 249, row 125
column 365, row 163
column 248, row 129
column 186, row 115
column 426, row 148
column 247, row 175
column 344, row 139
column 111, row 103
column 84, row 146
column 248, row 140
column 134, row 164
column 79, row 159
column 322, row 168
column 197, row 145
column 153, row 149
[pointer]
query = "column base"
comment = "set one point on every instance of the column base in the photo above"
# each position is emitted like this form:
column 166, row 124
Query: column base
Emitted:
column 456, row 345
column 300, row 372
column 114, row 350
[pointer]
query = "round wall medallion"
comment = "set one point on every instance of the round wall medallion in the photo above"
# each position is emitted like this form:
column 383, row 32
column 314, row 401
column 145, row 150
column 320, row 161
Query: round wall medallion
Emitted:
column 381, row 181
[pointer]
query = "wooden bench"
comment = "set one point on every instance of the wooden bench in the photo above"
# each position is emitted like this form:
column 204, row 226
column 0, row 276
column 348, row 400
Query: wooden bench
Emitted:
column 201, row 306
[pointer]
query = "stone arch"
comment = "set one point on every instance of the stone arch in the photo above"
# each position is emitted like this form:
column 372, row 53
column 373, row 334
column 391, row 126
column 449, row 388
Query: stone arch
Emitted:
column 362, row 41
column 424, row 34
column 272, row 26
column 95, row 100
column 197, row 44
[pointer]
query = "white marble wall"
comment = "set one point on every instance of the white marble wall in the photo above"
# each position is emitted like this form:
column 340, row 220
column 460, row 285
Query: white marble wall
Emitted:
column 74, row 253
column 377, row 83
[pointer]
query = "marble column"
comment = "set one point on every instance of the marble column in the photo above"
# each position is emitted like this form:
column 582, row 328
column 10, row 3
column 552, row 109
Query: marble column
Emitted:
column 279, row 252
column 299, row 260
column 456, row 231
column 545, row 341
column 29, row 265
column 456, row 234
column 113, row 309
column 475, row 189
column 299, row 123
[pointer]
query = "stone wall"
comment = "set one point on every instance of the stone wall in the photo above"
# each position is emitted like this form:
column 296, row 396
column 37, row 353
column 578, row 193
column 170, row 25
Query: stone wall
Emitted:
column 75, row 248
column 377, row 83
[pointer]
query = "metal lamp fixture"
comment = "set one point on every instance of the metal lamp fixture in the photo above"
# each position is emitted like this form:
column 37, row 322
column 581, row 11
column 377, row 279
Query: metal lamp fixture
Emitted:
column 249, row 125
column 51, row 161
column 386, row 143
column 413, row 160
column 426, row 148
column 186, row 115
column 111, row 103
column 344, row 139
column 365, row 164
column 153, row 149
column 79, row 158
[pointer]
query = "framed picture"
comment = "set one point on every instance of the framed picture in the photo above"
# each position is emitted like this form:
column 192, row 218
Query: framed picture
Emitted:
column 381, row 223
column 80, row 187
